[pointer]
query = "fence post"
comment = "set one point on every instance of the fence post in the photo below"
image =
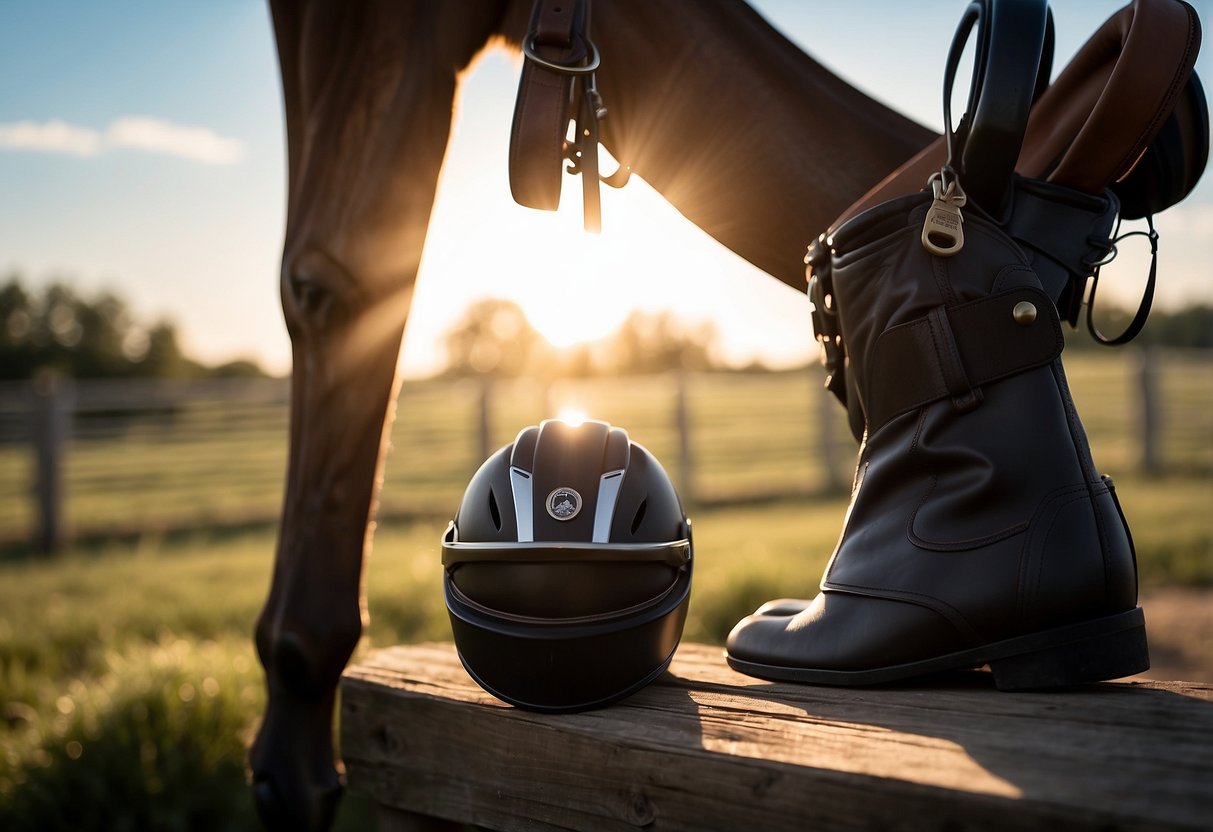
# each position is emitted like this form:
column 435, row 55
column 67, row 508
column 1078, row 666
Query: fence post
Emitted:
column 827, row 448
column 682, row 426
column 50, row 430
column 1148, row 411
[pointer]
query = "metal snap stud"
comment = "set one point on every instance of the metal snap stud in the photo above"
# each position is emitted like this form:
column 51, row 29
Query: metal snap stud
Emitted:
column 1024, row 313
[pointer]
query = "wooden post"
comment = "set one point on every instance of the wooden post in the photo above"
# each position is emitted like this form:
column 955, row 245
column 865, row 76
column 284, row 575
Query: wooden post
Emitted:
column 682, row 427
column 827, row 449
column 50, row 430
column 1148, row 412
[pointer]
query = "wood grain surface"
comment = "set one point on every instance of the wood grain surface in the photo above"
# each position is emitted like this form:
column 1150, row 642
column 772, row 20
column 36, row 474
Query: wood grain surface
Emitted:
column 706, row 748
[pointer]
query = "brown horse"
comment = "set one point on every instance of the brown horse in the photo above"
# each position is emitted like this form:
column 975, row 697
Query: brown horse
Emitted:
column 752, row 140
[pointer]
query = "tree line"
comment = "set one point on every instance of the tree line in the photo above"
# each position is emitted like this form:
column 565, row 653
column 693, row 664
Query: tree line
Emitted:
column 1189, row 327
column 57, row 329
column 61, row 330
column 494, row 338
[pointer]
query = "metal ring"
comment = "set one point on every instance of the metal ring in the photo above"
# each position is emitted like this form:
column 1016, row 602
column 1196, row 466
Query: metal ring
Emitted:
column 1106, row 259
column 528, row 49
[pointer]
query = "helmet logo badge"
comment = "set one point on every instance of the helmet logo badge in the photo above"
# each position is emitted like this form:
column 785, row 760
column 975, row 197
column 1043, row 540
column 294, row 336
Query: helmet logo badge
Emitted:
column 564, row 504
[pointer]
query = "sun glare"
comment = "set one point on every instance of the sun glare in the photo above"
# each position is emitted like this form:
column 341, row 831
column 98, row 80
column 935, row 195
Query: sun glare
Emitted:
column 571, row 290
column 572, row 416
column 577, row 288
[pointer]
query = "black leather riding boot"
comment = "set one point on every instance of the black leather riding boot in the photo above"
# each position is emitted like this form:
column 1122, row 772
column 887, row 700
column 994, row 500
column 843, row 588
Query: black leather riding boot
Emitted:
column 979, row 531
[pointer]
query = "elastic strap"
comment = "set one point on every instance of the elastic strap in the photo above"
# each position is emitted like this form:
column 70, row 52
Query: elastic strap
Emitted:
column 951, row 352
column 1147, row 296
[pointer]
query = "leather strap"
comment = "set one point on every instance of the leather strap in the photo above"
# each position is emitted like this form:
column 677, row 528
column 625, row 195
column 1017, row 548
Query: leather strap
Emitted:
column 1147, row 298
column 965, row 396
column 952, row 351
column 558, row 83
column 541, row 110
column 1068, row 231
column 1014, row 55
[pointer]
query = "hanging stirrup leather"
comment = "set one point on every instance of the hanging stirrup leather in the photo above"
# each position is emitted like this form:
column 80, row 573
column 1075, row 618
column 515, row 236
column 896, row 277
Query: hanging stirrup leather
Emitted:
column 557, row 85
column 541, row 111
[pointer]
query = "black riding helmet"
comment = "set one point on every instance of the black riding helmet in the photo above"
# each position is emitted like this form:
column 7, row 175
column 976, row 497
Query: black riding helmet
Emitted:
column 567, row 569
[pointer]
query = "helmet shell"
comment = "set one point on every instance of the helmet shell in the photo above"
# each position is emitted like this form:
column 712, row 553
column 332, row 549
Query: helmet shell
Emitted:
column 567, row 568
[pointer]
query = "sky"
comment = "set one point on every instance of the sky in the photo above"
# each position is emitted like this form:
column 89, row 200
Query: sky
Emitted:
column 142, row 152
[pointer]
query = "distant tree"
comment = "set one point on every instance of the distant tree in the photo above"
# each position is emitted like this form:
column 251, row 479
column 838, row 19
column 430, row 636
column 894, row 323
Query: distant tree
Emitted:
column 494, row 337
column 17, row 350
column 651, row 343
column 164, row 358
column 1189, row 327
column 96, row 333
column 86, row 338
column 240, row 368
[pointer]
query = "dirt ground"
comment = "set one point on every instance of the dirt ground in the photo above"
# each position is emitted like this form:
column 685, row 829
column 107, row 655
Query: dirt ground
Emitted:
column 1179, row 624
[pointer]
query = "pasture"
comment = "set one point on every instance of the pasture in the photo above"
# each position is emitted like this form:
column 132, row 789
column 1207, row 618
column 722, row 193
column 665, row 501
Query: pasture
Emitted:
column 128, row 680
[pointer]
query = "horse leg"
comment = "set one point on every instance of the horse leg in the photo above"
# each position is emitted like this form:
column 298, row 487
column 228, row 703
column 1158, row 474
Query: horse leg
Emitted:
column 368, row 89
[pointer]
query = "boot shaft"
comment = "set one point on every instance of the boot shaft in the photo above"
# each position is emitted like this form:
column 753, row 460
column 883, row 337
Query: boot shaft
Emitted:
column 975, row 466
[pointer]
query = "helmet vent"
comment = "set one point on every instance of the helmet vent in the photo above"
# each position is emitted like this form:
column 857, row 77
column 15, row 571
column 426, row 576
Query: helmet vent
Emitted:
column 639, row 518
column 494, row 510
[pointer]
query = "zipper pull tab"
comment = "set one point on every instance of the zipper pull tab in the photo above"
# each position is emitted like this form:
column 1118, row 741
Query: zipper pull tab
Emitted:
column 942, row 232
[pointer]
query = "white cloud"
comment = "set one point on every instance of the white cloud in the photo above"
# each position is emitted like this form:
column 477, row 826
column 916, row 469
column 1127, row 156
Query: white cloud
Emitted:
column 140, row 133
column 54, row 136
column 153, row 135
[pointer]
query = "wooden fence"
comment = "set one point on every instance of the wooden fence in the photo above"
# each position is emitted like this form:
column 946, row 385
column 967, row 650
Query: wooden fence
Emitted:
column 88, row 459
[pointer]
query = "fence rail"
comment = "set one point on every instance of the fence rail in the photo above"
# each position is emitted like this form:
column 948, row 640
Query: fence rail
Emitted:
column 90, row 458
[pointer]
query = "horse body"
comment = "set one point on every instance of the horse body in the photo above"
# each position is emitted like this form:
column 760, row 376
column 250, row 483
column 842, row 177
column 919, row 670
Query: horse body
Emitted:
column 748, row 137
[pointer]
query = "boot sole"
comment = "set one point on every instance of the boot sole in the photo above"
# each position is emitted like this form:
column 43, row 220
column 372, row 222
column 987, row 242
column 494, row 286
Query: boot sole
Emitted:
column 1092, row 651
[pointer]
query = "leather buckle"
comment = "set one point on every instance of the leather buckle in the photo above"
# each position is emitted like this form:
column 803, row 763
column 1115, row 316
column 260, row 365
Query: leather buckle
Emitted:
column 825, row 315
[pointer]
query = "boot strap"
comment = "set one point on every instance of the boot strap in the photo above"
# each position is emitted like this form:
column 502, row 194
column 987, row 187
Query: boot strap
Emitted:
column 1068, row 231
column 952, row 351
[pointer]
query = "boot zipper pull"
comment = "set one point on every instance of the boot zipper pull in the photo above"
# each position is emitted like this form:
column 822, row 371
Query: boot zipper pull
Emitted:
column 942, row 233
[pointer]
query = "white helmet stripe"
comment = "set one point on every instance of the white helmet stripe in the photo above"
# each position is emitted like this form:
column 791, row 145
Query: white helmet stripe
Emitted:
column 524, row 504
column 604, row 512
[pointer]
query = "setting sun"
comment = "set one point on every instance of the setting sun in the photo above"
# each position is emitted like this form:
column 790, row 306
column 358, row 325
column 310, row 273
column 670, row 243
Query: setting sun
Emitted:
column 575, row 287
column 570, row 291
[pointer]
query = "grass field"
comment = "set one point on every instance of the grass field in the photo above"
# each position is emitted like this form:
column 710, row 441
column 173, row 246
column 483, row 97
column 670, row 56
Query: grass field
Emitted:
column 129, row 685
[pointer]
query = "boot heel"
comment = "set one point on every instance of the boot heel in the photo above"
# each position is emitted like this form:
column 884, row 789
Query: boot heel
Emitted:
column 1092, row 658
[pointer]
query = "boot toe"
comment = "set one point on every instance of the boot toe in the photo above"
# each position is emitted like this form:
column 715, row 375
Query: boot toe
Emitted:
column 840, row 633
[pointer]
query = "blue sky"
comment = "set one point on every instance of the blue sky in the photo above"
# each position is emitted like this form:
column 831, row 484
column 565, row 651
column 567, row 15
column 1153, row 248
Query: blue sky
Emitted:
column 141, row 150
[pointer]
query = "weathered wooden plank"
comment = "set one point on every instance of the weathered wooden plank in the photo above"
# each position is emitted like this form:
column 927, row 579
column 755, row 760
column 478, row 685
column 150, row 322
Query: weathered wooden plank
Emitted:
column 706, row 748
